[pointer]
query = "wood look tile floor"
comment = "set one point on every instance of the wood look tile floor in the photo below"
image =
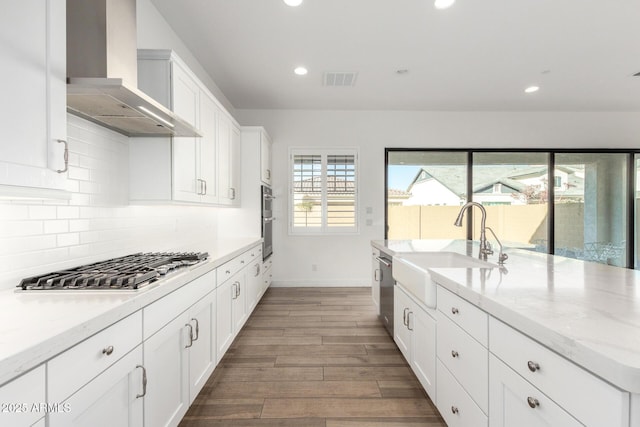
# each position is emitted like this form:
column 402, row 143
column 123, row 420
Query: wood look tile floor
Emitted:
column 313, row 357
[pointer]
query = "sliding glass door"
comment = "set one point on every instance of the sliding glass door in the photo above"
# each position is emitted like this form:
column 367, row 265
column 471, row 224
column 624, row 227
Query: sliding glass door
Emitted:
column 570, row 203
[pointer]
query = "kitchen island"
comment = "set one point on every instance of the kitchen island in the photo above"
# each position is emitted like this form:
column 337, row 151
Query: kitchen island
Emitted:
column 587, row 313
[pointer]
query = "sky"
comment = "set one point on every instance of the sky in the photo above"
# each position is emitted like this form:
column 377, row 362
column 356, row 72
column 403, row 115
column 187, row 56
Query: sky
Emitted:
column 400, row 176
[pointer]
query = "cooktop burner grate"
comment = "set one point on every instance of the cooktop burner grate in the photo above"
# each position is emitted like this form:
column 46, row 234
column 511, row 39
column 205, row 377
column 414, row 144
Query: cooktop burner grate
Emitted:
column 128, row 272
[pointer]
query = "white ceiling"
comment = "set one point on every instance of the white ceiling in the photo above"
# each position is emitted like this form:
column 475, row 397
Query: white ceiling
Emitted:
column 477, row 55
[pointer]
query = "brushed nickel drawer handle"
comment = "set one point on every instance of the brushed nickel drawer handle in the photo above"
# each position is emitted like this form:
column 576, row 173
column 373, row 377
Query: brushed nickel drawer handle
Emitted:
column 533, row 366
column 65, row 156
column 107, row 350
column 533, row 402
column 454, row 353
column 454, row 310
column 144, row 382
column 454, row 409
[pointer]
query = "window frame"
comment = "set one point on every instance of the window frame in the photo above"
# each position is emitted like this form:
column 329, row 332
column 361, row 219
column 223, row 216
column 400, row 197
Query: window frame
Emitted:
column 324, row 229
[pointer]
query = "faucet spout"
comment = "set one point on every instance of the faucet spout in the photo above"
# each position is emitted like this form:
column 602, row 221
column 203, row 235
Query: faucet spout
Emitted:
column 485, row 246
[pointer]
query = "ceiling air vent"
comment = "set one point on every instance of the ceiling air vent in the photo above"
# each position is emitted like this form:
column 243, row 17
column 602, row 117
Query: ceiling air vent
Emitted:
column 636, row 74
column 343, row 78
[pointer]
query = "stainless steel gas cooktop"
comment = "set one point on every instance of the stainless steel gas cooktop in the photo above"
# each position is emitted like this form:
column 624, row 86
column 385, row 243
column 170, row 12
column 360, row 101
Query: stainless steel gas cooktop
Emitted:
column 131, row 272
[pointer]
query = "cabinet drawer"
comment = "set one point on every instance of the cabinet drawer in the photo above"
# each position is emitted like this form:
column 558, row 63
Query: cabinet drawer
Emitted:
column 515, row 400
column 229, row 268
column 464, row 314
column 465, row 358
column 77, row 366
column 454, row 404
column 167, row 308
column 568, row 385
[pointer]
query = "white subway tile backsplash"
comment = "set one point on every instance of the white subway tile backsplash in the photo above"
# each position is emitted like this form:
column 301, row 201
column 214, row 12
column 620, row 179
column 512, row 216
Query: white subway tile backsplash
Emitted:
column 98, row 222
column 68, row 212
column 42, row 212
column 68, row 239
column 56, row 226
column 20, row 228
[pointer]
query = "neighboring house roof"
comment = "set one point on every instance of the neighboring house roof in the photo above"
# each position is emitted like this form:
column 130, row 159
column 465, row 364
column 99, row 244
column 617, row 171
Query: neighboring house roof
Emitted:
column 454, row 178
column 398, row 194
column 334, row 185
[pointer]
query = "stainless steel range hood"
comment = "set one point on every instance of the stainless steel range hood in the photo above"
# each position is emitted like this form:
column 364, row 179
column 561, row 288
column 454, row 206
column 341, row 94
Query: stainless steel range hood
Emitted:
column 102, row 72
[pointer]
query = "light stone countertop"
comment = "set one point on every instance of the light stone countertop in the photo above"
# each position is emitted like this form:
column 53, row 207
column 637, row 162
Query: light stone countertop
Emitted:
column 584, row 311
column 36, row 326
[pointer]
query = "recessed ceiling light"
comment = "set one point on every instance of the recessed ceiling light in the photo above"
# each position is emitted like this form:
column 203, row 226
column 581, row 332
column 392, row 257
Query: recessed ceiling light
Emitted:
column 300, row 71
column 532, row 89
column 443, row 4
column 293, row 3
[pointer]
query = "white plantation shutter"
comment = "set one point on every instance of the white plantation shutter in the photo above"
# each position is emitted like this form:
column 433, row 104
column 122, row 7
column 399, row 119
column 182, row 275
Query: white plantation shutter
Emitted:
column 323, row 191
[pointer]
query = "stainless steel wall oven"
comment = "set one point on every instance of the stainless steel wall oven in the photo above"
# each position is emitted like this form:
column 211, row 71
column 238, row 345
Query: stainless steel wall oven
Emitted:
column 267, row 222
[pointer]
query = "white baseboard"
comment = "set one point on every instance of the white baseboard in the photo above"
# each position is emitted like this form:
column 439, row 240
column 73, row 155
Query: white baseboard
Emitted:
column 320, row 283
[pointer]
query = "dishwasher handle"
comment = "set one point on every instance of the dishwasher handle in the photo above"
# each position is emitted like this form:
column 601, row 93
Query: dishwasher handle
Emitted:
column 385, row 261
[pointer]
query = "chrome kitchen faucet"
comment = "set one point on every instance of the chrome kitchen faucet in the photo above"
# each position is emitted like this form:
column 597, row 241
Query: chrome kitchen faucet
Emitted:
column 485, row 246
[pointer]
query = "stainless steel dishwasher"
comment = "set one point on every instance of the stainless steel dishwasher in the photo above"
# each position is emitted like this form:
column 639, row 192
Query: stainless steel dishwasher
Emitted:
column 386, row 291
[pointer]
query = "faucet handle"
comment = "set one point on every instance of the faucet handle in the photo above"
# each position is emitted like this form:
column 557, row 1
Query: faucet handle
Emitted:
column 488, row 250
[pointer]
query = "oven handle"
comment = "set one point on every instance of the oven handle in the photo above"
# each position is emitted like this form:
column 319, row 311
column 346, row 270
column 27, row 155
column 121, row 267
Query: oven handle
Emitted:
column 270, row 219
column 384, row 261
column 268, row 197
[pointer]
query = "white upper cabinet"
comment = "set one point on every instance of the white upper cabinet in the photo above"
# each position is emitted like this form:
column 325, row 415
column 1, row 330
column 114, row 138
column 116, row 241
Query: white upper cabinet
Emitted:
column 265, row 158
column 229, row 140
column 184, row 169
column 33, row 152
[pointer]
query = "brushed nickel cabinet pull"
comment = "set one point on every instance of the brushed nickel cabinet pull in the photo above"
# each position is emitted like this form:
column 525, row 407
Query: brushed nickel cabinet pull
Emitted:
column 197, row 329
column 107, row 350
column 454, row 409
column 454, row 310
column 409, row 321
column 454, row 353
column 144, row 382
column 533, row 366
column 66, row 156
column 190, row 335
column 533, row 402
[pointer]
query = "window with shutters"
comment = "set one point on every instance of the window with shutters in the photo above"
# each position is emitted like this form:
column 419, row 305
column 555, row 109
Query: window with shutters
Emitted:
column 323, row 191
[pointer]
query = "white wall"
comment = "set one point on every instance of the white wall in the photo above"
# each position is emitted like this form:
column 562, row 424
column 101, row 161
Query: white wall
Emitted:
column 345, row 260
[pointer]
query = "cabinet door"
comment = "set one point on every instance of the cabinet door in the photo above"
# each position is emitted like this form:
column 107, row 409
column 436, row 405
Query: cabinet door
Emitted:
column 202, row 353
column 208, row 161
column 240, row 302
column 34, row 96
column 235, row 162
column 401, row 333
column 375, row 279
column 265, row 158
column 186, row 104
column 19, row 395
column 224, row 317
column 224, row 160
column 254, row 286
column 423, row 349
column 186, row 186
column 113, row 398
column 515, row 402
column 166, row 360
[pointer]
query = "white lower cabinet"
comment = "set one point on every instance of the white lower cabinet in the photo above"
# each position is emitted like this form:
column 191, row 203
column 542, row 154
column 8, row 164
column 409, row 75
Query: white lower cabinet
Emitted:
column 224, row 317
column 202, row 336
column 18, row 397
column 456, row 406
column 166, row 360
column 255, row 287
column 113, row 398
column 416, row 338
column 515, row 402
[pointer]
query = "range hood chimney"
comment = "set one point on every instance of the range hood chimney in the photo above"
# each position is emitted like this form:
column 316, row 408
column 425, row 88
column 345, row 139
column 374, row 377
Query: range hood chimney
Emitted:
column 102, row 72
